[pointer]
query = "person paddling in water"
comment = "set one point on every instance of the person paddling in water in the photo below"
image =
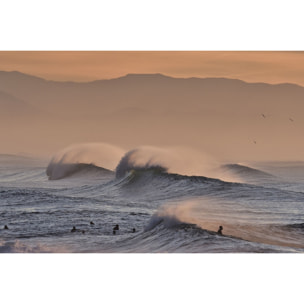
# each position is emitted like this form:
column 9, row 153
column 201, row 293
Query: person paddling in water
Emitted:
column 116, row 227
column 220, row 230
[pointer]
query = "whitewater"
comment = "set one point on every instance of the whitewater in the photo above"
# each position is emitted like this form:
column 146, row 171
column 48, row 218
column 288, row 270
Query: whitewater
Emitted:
column 162, row 199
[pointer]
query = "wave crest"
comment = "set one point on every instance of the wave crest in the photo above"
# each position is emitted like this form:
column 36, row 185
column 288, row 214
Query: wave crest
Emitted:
column 90, row 156
column 172, row 215
column 180, row 160
column 137, row 160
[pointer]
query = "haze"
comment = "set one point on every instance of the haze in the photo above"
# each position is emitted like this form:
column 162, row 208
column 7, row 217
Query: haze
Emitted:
column 232, row 106
column 81, row 66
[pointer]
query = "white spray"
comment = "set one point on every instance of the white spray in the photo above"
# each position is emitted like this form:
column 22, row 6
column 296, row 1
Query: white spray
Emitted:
column 99, row 154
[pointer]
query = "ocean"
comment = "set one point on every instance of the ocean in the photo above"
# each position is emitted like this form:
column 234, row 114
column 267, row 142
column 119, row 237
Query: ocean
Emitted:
column 158, row 208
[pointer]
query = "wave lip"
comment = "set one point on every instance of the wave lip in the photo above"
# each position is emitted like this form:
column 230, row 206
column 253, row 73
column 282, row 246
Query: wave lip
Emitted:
column 83, row 157
column 167, row 220
column 132, row 162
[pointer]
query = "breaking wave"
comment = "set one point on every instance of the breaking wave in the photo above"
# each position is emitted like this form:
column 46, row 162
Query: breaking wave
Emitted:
column 127, row 164
column 172, row 216
column 102, row 158
column 179, row 160
column 83, row 157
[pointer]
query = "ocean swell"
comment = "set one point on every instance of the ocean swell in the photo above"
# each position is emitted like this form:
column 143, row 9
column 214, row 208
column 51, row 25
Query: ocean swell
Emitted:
column 245, row 171
column 60, row 171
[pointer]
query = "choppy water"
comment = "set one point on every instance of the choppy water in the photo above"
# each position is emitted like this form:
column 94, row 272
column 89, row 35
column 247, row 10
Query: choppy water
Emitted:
column 260, row 207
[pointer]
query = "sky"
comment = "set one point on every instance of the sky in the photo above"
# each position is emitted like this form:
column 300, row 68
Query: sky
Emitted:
column 83, row 66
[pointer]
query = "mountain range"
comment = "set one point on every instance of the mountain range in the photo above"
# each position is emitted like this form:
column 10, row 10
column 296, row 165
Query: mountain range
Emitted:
column 245, row 120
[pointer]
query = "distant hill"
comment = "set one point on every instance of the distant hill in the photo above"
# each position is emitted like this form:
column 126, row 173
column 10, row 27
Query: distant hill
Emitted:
column 150, row 91
column 214, row 114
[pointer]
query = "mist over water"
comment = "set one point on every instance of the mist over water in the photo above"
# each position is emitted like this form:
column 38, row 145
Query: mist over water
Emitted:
column 99, row 154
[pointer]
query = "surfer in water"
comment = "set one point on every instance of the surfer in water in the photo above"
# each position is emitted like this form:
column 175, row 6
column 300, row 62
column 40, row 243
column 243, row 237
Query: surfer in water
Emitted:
column 5, row 227
column 116, row 227
column 73, row 229
column 220, row 230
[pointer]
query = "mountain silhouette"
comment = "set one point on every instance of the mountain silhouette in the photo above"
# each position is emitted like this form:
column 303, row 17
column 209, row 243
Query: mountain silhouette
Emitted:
column 218, row 115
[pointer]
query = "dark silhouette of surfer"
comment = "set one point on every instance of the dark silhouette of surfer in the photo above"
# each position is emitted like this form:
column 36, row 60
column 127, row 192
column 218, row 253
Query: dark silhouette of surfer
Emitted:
column 92, row 223
column 5, row 227
column 220, row 230
column 116, row 227
column 73, row 229
column 133, row 230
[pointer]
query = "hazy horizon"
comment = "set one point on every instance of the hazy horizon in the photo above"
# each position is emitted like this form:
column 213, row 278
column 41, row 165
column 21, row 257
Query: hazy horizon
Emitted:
column 272, row 67
column 93, row 80
column 220, row 115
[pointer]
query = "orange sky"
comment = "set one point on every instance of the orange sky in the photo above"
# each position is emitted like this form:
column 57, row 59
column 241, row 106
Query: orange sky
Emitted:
column 270, row 66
